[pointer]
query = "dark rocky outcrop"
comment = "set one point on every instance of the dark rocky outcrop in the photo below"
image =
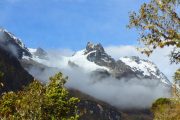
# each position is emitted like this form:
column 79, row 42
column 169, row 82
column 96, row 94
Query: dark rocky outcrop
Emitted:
column 96, row 53
column 15, row 77
column 93, row 109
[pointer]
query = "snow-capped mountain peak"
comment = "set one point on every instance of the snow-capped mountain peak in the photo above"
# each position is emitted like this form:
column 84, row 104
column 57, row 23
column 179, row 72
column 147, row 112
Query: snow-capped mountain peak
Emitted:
column 94, row 57
column 17, row 40
column 96, row 53
column 39, row 52
column 13, row 44
column 91, row 59
column 145, row 67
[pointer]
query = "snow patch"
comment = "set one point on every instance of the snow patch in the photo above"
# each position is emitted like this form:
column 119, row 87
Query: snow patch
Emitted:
column 81, row 60
column 141, row 66
column 32, row 50
column 17, row 40
column 146, row 67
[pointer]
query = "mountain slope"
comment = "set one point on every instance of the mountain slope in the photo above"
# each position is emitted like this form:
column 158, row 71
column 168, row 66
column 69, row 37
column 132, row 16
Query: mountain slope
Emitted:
column 15, row 77
column 145, row 68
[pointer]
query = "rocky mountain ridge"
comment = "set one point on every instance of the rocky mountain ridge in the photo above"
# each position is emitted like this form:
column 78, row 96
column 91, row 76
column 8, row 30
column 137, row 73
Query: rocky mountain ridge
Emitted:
column 125, row 67
column 94, row 54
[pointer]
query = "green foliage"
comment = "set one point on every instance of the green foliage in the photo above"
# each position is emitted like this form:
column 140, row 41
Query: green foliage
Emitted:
column 40, row 102
column 160, row 101
column 159, row 26
column 166, row 109
column 177, row 75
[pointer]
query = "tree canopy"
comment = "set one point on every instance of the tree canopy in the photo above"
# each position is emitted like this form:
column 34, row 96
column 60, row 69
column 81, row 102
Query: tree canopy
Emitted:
column 40, row 102
column 158, row 23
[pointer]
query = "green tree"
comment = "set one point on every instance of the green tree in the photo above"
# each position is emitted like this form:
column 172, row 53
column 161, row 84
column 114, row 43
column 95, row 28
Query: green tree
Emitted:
column 40, row 102
column 58, row 104
column 159, row 26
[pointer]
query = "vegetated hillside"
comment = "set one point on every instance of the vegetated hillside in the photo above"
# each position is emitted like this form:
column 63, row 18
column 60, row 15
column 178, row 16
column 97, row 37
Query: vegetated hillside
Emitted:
column 93, row 109
column 14, row 77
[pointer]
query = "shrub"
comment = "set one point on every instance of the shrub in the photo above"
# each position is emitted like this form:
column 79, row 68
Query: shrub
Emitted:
column 40, row 102
column 166, row 109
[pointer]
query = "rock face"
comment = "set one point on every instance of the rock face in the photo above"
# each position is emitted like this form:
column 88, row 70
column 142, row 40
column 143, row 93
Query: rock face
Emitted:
column 97, row 54
column 15, row 77
column 93, row 111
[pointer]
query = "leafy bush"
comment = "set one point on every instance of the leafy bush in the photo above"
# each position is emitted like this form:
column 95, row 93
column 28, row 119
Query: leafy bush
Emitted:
column 166, row 109
column 40, row 102
column 158, row 24
column 177, row 75
column 160, row 102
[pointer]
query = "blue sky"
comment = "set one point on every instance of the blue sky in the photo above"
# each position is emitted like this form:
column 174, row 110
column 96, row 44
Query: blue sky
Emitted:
column 69, row 23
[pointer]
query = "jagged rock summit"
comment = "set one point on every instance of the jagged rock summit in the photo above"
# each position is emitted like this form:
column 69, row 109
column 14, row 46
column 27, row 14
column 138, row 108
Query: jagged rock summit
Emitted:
column 97, row 54
column 17, row 48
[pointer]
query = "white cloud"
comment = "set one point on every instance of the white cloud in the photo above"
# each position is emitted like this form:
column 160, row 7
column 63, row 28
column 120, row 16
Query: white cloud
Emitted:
column 120, row 93
column 61, row 52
